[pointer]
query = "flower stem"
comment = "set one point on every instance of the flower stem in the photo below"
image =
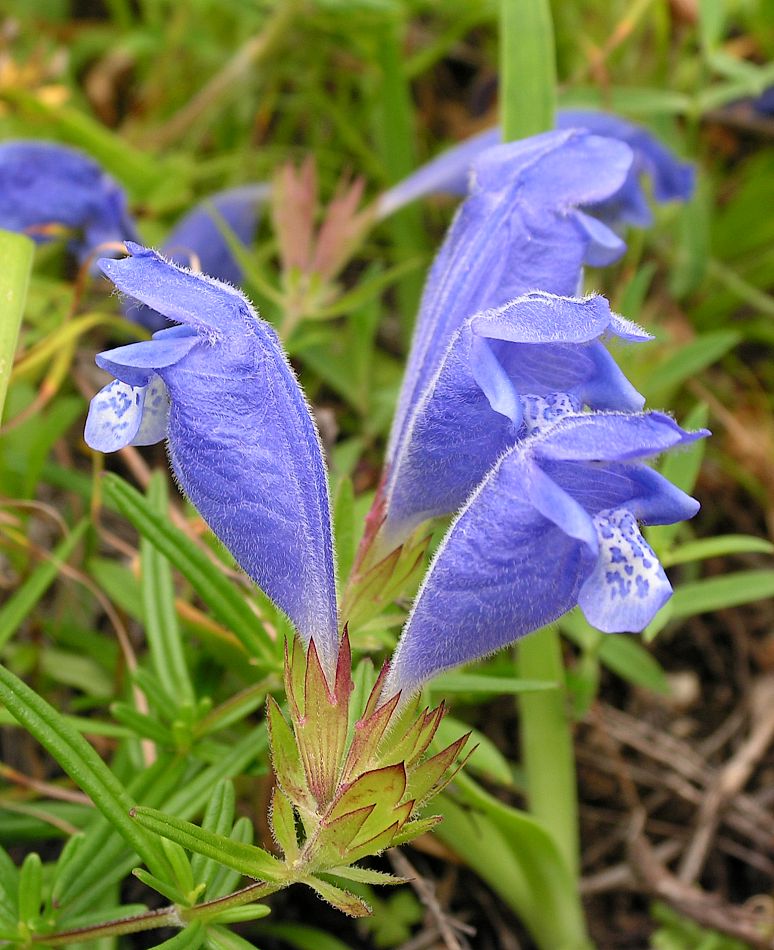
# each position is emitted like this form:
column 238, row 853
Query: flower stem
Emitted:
column 546, row 741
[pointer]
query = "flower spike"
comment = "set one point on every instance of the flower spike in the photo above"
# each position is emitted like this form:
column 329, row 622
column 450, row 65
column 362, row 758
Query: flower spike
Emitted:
column 241, row 439
column 554, row 524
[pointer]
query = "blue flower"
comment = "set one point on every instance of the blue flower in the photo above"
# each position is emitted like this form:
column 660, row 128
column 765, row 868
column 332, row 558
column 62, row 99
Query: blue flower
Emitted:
column 672, row 180
column 241, row 440
column 554, row 524
column 505, row 374
column 520, row 229
column 198, row 240
column 44, row 186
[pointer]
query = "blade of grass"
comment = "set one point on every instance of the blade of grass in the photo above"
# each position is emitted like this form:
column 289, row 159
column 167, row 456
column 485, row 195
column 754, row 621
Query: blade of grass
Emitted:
column 16, row 252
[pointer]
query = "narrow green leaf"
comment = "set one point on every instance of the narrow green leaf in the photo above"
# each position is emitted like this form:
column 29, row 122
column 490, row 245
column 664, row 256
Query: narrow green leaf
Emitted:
column 225, row 601
column 544, row 721
column 718, row 593
column 519, row 859
column 248, row 859
column 221, row 938
column 632, row 662
column 487, row 760
column 688, row 360
column 219, row 819
column 483, row 685
column 79, row 761
column 342, row 900
column 235, row 915
column 527, row 68
column 145, row 726
column 164, row 888
column 190, row 938
column 16, row 252
column 24, row 599
column 158, row 596
column 717, row 547
column 225, row 880
column 30, row 888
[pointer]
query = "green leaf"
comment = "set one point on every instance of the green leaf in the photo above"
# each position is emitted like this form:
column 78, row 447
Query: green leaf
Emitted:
column 342, row 900
column 190, row 938
column 248, row 859
column 220, row 595
column 303, row 937
column 344, row 523
column 30, row 888
column 487, row 760
column 720, row 546
column 219, row 819
column 519, row 860
column 80, row 762
column 235, row 915
column 164, row 888
column 687, row 361
column 632, row 662
column 22, row 602
column 527, row 68
column 483, row 685
column 16, row 252
column 718, row 593
column 158, row 597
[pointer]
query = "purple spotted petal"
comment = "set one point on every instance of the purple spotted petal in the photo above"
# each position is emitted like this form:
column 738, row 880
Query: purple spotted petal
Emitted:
column 547, row 529
column 44, row 184
column 241, row 440
column 518, row 231
column 198, row 239
column 536, row 348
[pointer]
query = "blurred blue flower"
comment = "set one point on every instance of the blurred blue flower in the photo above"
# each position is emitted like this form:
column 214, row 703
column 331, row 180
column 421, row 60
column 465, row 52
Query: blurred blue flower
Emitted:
column 505, row 374
column 554, row 524
column 671, row 179
column 241, row 440
column 45, row 187
column 198, row 240
column 520, row 229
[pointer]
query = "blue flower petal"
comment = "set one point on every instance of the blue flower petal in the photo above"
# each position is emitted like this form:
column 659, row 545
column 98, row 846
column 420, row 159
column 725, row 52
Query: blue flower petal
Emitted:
column 44, row 184
column 199, row 239
column 502, row 571
column 516, row 232
column 115, row 415
column 136, row 362
column 547, row 528
column 628, row 585
column 241, row 439
column 539, row 345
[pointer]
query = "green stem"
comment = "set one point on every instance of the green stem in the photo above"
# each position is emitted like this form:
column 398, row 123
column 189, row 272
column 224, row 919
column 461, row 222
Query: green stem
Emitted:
column 546, row 741
column 527, row 68
column 16, row 255
column 528, row 103
column 171, row 916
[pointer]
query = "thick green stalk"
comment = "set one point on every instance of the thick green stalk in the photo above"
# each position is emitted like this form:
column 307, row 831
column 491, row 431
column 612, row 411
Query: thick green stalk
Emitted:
column 15, row 264
column 528, row 102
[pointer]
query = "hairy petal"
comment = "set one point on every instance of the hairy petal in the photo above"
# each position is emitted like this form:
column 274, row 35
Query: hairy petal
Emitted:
column 538, row 345
column 547, row 528
column 241, row 439
column 628, row 584
column 672, row 180
column 518, row 231
column 503, row 570
column 199, row 240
